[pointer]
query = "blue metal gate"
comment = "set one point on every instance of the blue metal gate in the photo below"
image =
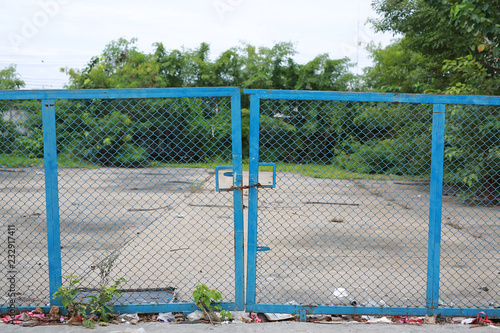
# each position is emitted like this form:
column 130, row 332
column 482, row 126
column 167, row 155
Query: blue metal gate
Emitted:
column 120, row 184
column 367, row 216
column 357, row 203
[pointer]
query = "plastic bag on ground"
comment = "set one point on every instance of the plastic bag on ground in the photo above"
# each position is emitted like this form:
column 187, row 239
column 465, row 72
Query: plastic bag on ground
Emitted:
column 468, row 321
column 197, row 315
column 278, row 316
column 166, row 317
column 128, row 317
column 340, row 293
column 241, row 316
column 371, row 319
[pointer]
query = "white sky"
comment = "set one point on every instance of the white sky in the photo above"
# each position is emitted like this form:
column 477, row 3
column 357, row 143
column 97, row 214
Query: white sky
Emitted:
column 41, row 36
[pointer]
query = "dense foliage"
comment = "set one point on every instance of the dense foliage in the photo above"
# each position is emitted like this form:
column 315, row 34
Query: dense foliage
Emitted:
column 122, row 65
column 124, row 133
column 450, row 47
column 443, row 46
column 446, row 46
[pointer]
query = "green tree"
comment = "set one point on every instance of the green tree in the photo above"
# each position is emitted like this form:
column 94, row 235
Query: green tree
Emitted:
column 478, row 72
column 452, row 47
column 269, row 68
column 228, row 69
column 139, row 71
column 121, row 65
column 201, row 68
column 440, row 31
column 9, row 79
column 11, row 137
column 323, row 73
column 172, row 66
column 480, row 18
column 398, row 69
column 425, row 24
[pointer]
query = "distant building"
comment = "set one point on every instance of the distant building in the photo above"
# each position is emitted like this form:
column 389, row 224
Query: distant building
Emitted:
column 18, row 117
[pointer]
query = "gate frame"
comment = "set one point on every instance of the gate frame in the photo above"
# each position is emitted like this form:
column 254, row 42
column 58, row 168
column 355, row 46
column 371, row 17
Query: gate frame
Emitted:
column 48, row 100
column 434, row 238
column 49, row 97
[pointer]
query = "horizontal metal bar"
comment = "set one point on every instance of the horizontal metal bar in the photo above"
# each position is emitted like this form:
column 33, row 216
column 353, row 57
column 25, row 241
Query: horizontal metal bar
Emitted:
column 389, row 311
column 132, row 308
column 118, row 93
column 166, row 307
column 372, row 97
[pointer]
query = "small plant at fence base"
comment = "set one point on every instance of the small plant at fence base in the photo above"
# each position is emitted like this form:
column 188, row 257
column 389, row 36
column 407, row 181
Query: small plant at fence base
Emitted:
column 99, row 305
column 98, row 308
column 204, row 299
column 68, row 294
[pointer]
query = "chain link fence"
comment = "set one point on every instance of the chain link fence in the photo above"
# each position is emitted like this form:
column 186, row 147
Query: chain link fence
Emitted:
column 22, row 206
column 382, row 204
column 470, row 261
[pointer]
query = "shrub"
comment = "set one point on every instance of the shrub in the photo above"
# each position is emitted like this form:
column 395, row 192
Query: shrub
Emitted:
column 30, row 146
column 8, row 135
column 110, row 141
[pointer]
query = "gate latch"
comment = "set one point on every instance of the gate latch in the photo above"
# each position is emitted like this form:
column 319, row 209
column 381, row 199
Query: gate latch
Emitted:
column 224, row 178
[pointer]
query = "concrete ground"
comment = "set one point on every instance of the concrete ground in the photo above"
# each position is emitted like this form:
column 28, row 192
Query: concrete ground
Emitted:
column 328, row 241
column 279, row 327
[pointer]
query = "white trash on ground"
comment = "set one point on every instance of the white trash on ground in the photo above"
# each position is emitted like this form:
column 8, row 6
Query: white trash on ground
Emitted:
column 340, row 293
column 467, row 321
column 278, row 316
column 197, row 315
column 128, row 317
column 166, row 317
column 241, row 317
column 374, row 320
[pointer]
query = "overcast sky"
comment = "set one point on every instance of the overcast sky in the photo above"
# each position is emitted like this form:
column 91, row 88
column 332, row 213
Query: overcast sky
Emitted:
column 41, row 36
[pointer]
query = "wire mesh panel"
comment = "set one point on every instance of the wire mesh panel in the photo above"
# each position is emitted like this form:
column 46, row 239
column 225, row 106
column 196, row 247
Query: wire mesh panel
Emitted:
column 22, row 206
column 470, row 264
column 354, row 223
column 140, row 203
column 347, row 223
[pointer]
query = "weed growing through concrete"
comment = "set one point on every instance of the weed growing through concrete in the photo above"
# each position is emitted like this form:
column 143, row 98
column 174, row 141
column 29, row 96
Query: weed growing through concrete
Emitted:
column 204, row 299
column 98, row 308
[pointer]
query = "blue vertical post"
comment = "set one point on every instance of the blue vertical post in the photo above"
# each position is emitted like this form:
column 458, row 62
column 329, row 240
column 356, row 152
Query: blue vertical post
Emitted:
column 436, row 199
column 253, row 199
column 51, row 195
column 239, row 243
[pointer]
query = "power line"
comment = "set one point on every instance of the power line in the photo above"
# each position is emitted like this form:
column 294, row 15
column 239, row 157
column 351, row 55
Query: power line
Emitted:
column 41, row 79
